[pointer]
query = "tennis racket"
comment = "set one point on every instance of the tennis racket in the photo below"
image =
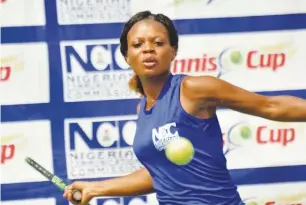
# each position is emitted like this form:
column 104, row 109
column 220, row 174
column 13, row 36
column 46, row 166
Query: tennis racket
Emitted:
column 77, row 195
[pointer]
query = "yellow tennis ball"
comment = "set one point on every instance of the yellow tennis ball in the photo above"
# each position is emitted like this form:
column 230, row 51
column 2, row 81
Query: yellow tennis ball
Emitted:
column 180, row 151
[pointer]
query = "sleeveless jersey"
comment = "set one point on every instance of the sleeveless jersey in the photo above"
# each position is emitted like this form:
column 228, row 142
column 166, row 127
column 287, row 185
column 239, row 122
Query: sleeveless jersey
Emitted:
column 203, row 181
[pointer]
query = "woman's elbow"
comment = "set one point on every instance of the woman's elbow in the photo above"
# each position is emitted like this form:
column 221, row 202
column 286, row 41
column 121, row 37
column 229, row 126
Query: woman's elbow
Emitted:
column 274, row 111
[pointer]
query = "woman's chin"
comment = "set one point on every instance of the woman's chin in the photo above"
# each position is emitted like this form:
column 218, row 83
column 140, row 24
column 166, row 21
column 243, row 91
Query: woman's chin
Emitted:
column 151, row 73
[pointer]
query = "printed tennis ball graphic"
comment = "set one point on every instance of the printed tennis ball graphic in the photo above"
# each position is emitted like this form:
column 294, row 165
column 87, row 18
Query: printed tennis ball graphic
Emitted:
column 180, row 151
column 245, row 132
column 252, row 203
column 236, row 57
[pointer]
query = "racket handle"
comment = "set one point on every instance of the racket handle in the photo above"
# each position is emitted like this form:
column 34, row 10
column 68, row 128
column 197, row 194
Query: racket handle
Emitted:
column 77, row 196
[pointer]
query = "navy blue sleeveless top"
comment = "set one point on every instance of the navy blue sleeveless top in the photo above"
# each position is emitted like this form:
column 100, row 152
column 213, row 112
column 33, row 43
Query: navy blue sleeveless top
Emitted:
column 203, row 181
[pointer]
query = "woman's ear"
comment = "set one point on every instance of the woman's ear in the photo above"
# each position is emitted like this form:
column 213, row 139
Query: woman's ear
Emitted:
column 127, row 60
column 174, row 51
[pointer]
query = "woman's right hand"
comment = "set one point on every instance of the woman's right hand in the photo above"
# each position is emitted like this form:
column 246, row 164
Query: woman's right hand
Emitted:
column 86, row 188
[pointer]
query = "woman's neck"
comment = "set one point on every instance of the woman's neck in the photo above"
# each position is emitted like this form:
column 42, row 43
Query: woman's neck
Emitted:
column 152, row 86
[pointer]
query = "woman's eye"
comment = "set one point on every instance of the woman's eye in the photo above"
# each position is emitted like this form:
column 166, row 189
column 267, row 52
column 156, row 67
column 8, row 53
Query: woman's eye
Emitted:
column 159, row 43
column 136, row 45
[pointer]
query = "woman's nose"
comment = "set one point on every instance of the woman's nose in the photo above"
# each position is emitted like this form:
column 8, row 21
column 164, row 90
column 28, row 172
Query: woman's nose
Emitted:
column 148, row 48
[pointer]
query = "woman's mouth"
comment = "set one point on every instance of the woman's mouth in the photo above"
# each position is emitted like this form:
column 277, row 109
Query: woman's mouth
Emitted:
column 149, row 62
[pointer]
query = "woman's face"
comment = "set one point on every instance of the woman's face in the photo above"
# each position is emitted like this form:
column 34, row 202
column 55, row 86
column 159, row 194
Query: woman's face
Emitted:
column 149, row 50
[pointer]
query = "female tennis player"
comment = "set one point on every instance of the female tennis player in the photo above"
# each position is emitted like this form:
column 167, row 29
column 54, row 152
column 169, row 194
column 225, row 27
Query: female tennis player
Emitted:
column 180, row 106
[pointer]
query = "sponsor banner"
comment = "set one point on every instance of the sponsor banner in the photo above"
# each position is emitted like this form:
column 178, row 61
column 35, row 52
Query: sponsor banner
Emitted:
column 191, row 9
column 251, row 142
column 266, row 194
column 24, row 74
column 95, row 70
column 44, row 201
column 136, row 200
column 100, row 147
column 20, row 140
column 89, row 12
column 22, row 13
column 97, row 11
column 274, row 194
column 261, row 61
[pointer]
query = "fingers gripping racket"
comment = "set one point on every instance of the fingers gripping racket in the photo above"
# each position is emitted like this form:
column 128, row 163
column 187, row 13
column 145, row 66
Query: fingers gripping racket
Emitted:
column 77, row 195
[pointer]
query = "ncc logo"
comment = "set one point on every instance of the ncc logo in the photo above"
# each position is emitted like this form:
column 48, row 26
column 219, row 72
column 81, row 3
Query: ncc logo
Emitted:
column 95, row 57
column 102, row 134
column 94, row 71
column 141, row 200
column 100, row 147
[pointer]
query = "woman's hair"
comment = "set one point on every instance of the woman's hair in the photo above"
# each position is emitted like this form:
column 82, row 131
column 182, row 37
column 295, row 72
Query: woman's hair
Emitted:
column 134, row 82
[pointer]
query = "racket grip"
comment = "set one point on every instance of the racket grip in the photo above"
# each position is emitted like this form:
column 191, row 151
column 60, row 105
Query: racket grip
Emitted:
column 77, row 196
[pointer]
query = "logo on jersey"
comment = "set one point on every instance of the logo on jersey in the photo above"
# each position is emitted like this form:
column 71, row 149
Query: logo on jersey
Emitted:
column 162, row 135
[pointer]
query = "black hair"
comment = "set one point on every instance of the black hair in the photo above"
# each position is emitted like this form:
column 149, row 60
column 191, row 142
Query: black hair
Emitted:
column 135, row 83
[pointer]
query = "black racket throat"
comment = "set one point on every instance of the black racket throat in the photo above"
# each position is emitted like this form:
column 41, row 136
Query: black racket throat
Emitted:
column 77, row 195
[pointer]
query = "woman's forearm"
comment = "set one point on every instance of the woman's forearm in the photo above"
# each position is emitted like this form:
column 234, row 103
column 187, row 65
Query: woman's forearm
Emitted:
column 134, row 184
column 287, row 109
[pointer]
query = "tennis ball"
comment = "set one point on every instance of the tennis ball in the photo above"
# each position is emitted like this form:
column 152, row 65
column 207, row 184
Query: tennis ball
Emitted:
column 236, row 57
column 180, row 151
